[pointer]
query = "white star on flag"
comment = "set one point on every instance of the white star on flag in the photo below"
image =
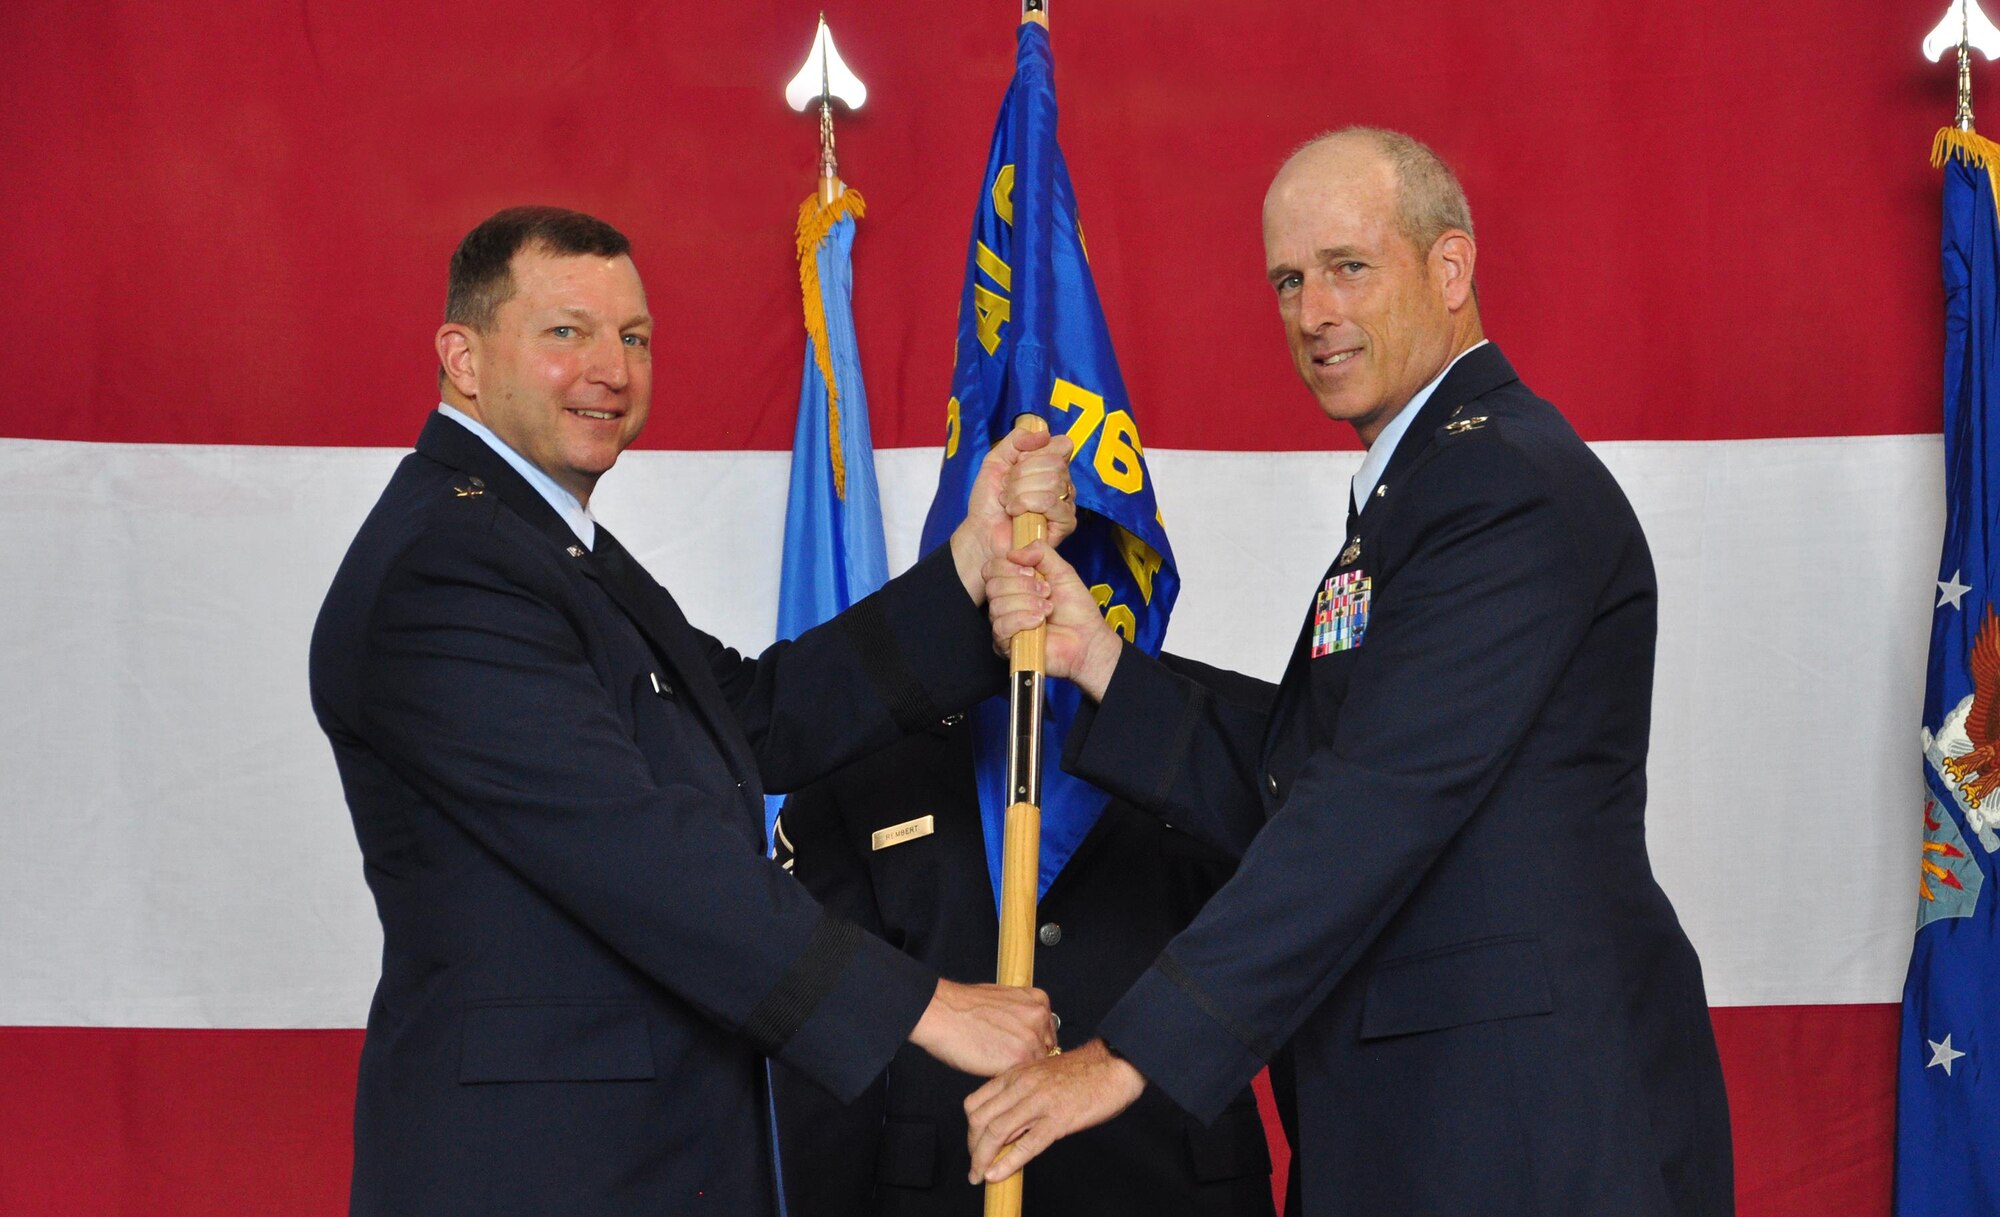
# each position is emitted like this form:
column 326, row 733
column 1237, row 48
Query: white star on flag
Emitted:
column 1943, row 1054
column 1951, row 591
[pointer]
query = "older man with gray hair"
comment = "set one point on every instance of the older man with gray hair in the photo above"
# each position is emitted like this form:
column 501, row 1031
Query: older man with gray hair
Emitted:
column 1444, row 902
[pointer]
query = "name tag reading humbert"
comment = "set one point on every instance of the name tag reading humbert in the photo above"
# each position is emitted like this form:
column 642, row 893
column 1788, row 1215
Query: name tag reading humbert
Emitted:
column 908, row 830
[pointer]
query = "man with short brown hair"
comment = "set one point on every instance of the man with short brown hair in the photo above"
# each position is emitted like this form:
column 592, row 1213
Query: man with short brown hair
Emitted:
column 558, row 788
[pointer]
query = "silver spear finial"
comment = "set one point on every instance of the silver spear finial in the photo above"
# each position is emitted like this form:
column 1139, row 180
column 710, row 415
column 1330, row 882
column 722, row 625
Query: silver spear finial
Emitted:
column 825, row 78
column 1966, row 27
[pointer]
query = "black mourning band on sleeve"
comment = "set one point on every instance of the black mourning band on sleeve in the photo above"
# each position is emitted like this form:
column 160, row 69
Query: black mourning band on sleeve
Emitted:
column 867, row 626
column 1260, row 1046
column 804, row 985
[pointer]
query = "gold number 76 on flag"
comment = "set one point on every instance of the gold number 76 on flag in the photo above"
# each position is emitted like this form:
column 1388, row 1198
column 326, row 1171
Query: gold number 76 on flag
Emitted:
column 1118, row 448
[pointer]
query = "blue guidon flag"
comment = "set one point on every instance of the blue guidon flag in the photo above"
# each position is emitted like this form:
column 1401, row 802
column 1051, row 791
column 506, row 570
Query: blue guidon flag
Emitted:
column 1032, row 340
column 834, row 553
column 1948, row 1077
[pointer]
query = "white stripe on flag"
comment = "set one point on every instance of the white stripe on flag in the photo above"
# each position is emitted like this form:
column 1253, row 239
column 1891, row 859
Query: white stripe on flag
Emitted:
column 177, row 853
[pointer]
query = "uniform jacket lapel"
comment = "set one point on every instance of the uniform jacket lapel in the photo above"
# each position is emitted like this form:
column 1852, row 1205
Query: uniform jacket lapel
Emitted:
column 652, row 608
column 649, row 607
column 1471, row 378
column 1480, row 372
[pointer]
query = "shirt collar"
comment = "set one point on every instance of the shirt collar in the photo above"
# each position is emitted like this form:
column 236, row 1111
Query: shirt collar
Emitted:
column 1385, row 443
column 572, row 511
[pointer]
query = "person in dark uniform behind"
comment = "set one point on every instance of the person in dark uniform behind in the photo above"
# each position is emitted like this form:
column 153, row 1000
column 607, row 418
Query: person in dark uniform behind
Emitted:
column 894, row 843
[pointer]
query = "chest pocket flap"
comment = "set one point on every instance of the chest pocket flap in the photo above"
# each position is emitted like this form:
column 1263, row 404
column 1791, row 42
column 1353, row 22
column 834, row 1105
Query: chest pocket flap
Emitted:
column 1472, row 982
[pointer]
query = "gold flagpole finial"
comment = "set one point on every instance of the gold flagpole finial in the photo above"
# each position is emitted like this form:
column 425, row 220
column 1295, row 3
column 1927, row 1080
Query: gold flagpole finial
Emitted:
column 1036, row 11
column 826, row 78
column 1965, row 27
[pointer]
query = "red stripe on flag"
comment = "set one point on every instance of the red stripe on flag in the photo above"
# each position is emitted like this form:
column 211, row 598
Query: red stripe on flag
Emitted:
column 222, row 1123
column 1274, row 1136
column 228, row 223
column 1812, row 1107
column 99, row 1122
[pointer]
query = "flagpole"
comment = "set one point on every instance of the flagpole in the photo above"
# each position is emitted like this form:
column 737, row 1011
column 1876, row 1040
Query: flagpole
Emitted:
column 1021, row 848
column 829, row 168
column 1021, row 844
column 826, row 78
column 1966, row 28
column 1963, row 119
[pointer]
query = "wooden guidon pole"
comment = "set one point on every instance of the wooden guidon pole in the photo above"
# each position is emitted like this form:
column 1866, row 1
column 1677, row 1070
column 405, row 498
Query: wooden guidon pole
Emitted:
column 1021, row 846
column 1021, row 849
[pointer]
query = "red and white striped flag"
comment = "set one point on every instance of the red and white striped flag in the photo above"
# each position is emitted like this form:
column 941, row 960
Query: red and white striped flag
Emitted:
column 224, row 256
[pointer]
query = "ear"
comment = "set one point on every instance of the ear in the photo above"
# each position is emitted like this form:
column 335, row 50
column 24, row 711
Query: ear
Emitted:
column 1452, row 258
column 456, row 346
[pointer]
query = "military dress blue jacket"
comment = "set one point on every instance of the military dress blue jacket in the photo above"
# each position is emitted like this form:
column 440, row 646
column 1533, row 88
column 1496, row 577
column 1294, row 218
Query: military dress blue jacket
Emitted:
column 558, row 788
column 1444, row 902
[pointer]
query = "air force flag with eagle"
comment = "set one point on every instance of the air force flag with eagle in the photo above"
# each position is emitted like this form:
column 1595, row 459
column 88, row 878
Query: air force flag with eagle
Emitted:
column 1948, row 1079
column 1032, row 340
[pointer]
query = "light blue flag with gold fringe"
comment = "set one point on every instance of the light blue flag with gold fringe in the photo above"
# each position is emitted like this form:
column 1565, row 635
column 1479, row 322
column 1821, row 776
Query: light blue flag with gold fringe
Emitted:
column 834, row 554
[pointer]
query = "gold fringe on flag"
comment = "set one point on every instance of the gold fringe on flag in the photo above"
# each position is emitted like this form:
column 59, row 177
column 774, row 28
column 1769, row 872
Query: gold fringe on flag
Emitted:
column 1972, row 148
column 816, row 220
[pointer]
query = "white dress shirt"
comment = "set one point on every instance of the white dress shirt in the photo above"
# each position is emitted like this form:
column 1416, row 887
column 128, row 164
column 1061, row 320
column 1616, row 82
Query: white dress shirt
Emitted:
column 573, row 512
column 1384, row 446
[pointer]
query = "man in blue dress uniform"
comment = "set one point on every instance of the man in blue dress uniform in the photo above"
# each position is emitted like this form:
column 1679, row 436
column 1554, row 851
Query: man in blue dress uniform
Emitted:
column 558, row 787
column 1444, row 902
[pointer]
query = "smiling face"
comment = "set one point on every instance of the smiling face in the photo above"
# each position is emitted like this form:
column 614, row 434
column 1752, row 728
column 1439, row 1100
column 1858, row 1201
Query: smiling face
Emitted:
column 1370, row 317
column 564, row 374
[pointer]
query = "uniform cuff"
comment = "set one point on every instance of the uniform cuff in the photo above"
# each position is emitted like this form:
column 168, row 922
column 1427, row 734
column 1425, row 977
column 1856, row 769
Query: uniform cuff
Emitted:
column 925, row 645
column 1126, row 743
column 1161, row 1028
column 869, row 1007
